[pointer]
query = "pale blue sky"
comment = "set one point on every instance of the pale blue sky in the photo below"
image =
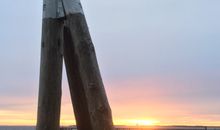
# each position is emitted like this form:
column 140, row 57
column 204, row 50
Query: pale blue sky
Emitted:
column 167, row 39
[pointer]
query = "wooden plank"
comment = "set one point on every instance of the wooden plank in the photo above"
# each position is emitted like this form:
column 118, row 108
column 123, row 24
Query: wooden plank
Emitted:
column 77, row 91
column 89, row 98
column 49, row 101
column 88, row 95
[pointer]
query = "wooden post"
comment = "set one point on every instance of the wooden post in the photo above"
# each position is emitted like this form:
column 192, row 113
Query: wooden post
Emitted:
column 89, row 99
column 49, row 101
column 91, row 107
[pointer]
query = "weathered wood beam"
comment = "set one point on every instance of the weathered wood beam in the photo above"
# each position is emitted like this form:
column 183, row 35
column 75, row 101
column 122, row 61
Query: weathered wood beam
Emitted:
column 89, row 98
column 78, row 94
column 49, row 101
column 91, row 107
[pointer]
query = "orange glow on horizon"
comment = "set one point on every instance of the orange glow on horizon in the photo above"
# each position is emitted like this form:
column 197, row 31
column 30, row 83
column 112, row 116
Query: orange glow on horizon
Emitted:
column 126, row 122
column 137, row 122
column 144, row 106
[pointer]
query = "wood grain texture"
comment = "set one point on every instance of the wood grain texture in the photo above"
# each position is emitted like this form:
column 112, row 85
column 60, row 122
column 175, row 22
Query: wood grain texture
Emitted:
column 89, row 98
column 71, row 35
column 49, row 101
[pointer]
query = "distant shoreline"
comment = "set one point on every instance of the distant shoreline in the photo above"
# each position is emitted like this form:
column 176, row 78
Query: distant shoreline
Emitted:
column 174, row 127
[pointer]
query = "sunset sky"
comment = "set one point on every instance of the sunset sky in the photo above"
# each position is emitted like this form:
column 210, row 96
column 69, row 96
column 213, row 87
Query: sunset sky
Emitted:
column 159, row 59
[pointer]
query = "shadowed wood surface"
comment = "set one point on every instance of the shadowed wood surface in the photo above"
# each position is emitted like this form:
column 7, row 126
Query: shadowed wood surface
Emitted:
column 49, row 101
column 91, row 108
column 70, row 34
column 77, row 92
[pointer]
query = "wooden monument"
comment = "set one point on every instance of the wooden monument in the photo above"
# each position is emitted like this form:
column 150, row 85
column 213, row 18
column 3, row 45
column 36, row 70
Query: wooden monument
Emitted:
column 65, row 35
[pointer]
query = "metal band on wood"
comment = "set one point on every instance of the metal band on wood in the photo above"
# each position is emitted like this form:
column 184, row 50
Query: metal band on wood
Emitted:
column 60, row 8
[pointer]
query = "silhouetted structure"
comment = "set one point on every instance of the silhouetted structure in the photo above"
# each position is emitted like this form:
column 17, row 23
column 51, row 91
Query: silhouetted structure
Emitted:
column 65, row 34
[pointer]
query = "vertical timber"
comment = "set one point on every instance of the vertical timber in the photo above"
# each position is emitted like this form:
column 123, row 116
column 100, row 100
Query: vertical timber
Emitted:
column 79, row 53
column 65, row 31
column 49, row 101
column 77, row 91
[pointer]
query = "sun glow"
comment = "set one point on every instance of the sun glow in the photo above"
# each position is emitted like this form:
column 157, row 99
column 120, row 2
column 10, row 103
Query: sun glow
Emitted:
column 137, row 122
column 146, row 122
